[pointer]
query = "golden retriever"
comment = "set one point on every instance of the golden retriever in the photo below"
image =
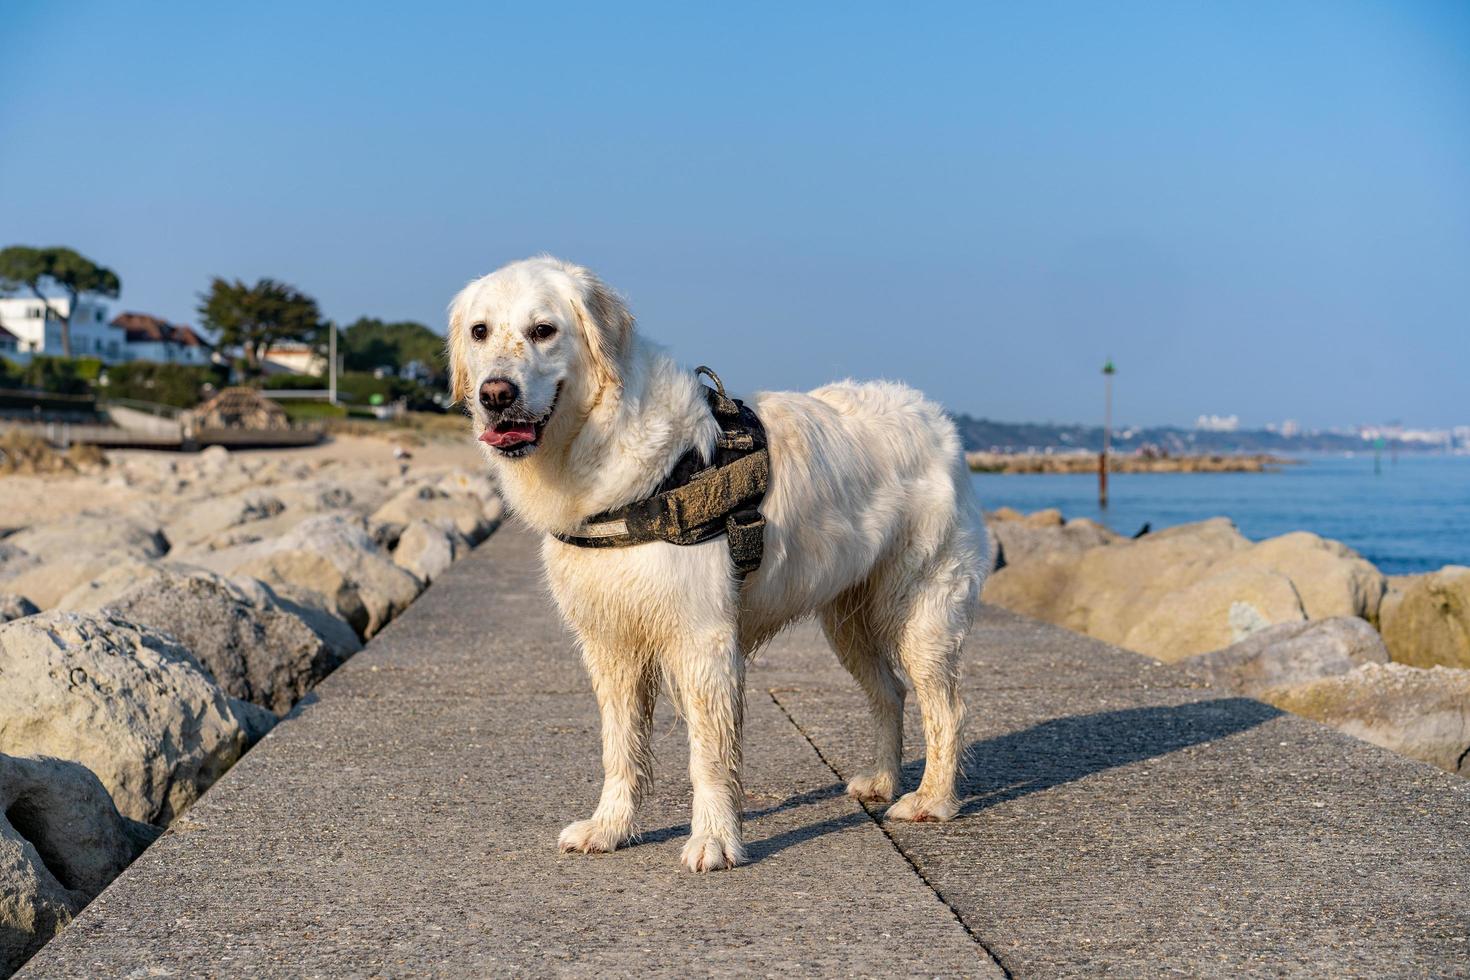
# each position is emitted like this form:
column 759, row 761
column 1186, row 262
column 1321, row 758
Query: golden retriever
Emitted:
column 870, row 526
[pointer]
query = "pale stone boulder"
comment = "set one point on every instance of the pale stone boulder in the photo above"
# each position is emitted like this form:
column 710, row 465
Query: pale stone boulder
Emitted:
column 309, row 607
column 255, row 651
column 61, row 841
column 90, row 534
column 361, row 493
column 1291, row 654
column 49, row 560
column 463, row 514
column 1331, row 578
column 127, row 702
column 1397, row 586
column 114, row 580
column 205, row 519
column 333, row 557
column 1214, row 612
column 16, row 606
column 460, row 481
column 49, row 584
column 427, row 550
column 1428, row 623
column 1105, row 591
column 1417, row 712
column 1050, row 517
column 13, row 561
column 1019, row 541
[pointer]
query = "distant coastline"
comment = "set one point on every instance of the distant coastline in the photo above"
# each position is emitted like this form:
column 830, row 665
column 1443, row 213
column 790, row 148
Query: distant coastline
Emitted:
column 1136, row 462
column 987, row 435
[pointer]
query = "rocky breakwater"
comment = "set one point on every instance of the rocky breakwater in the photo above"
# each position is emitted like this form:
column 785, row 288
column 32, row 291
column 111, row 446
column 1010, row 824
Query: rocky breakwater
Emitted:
column 1152, row 462
column 149, row 640
column 1299, row 621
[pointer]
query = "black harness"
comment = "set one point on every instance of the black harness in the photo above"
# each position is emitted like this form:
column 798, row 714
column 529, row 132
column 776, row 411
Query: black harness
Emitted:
column 698, row 501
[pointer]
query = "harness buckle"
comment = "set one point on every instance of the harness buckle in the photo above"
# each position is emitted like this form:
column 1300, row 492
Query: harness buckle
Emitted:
column 745, row 532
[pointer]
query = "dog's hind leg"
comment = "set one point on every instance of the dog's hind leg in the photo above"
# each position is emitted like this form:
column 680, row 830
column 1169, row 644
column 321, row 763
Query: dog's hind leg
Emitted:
column 846, row 623
column 937, row 616
column 627, row 689
column 709, row 675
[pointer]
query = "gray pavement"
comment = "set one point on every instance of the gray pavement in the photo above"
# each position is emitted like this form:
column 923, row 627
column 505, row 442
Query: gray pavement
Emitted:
column 1119, row 819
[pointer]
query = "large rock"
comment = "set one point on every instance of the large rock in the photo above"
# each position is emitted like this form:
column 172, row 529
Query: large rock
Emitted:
column 13, row 561
column 1291, row 654
column 1214, row 612
column 49, row 584
column 1397, row 586
column 16, row 606
column 463, row 514
column 1424, row 714
column 1330, row 578
column 260, row 644
column 1428, row 621
column 360, row 492
column 1105, row 591
column 334, row 558
column 88, row 534
column 113, row 581
column 1023, row 538
column 255, row 651
column 127, row 702
column 426, row 550
column 206, row 519
column 480, row 485
column 309, row 607
column 61, row 841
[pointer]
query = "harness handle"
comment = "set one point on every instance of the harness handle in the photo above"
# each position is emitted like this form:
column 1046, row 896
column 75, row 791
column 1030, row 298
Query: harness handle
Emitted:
column 725, row 405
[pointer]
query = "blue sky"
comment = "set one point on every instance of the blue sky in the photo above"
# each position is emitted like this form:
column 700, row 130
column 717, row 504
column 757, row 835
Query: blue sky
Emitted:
column 1258, row 208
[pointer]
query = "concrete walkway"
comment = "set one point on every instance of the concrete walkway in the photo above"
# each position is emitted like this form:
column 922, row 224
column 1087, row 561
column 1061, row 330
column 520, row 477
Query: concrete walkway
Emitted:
column 1117, row 820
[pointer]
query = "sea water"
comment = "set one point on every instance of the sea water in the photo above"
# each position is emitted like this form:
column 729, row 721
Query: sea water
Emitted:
column 1410, row 514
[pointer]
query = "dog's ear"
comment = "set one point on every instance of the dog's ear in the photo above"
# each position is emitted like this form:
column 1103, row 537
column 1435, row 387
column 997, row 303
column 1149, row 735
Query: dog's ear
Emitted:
column 606, row 324
column 459, row 372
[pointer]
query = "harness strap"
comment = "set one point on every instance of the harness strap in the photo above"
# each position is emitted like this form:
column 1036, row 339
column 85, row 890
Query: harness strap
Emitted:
column 699, row 501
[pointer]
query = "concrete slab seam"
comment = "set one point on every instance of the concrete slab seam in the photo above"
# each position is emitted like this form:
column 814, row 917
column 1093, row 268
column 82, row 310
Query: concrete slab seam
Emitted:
column 990, row 953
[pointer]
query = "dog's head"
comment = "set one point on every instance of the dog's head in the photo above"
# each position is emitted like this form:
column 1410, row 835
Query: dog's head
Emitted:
column 531, row 346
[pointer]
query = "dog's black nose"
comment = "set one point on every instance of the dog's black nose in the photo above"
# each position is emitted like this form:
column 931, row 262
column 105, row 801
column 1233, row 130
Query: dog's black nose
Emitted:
column 498, row 393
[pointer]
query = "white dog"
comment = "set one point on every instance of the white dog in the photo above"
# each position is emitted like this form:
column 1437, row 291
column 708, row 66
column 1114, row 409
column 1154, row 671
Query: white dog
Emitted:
column 870, row 525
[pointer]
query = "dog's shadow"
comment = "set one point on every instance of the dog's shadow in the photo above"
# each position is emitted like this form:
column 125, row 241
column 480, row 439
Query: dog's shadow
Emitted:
column 1032, row 760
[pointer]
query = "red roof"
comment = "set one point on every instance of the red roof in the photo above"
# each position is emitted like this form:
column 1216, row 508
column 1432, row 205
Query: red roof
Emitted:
column 142, row 328
column 187, row 337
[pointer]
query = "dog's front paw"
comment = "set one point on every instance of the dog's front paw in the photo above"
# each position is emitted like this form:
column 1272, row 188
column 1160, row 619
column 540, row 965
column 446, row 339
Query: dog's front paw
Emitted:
column 872, row 789
column 590, row 837
column 706, row 852
column 912, row 806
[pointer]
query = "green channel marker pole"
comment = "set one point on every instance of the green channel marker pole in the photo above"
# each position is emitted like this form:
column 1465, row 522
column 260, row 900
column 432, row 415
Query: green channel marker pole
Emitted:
column 1102, row 458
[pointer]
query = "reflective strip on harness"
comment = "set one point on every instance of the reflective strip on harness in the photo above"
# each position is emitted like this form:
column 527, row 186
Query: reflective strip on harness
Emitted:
column 606, row 529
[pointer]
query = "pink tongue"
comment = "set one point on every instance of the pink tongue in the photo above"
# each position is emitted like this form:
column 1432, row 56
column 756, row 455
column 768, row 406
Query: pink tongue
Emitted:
column 525, row 432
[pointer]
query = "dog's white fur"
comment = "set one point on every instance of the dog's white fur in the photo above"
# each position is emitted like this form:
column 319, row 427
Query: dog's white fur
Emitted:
column 870, row 525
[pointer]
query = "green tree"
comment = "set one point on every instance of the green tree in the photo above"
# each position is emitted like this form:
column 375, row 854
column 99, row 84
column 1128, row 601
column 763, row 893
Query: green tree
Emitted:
column 254, row 317
column 369, row 344
column 22, row 266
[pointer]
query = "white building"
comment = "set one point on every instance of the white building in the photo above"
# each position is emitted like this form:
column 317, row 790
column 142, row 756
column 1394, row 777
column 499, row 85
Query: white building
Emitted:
column 9, row 343
column 149, row 338
column 293, row 357
column 1217, row 423
column 37, row 328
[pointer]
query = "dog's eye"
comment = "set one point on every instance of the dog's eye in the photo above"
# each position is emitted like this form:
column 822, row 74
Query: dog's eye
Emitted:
column 479, row 331
column 543, row 331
